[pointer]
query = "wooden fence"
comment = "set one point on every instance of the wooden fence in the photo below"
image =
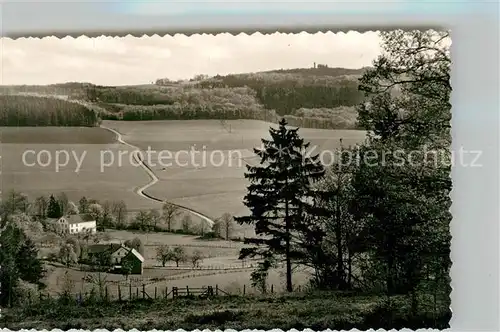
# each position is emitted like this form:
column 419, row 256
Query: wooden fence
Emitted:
column 130, row 293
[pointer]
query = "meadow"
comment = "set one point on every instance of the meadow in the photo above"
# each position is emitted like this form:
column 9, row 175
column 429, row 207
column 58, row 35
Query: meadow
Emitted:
column 219, row 266
column 316, row 311
column 191, row 180
column 35, row 180
column 217, row 187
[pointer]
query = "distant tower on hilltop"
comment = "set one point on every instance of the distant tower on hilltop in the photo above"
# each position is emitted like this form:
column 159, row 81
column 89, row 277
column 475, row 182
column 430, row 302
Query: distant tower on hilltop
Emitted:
column 314, row 65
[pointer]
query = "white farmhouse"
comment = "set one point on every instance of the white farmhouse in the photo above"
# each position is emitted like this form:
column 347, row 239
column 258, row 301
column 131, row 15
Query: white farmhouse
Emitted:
column 77, row 223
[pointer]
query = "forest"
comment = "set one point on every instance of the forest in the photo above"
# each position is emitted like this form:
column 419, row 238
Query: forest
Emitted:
column 319, row 97
column 21, row 110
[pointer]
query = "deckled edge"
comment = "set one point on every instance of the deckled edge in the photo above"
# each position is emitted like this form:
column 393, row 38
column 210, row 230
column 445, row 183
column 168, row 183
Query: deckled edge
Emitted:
column 218, row 330
column 194, row 35
column 453, row 253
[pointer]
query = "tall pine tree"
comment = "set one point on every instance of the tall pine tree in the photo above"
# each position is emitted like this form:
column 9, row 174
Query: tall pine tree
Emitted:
column 280, row 197
column 53, row 210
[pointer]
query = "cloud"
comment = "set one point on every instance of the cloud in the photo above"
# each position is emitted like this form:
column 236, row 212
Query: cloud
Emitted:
column 132, row 60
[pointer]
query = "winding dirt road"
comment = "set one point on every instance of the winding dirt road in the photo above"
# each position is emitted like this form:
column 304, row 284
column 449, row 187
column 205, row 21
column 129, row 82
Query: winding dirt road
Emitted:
column 153, row 177
column 151, row 174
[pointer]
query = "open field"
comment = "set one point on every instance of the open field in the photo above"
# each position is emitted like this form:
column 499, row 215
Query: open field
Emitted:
column 89, row 181
column 216, row 252
column 196, row 180
column 220, row 266
column 56, row 277
column 228, row 280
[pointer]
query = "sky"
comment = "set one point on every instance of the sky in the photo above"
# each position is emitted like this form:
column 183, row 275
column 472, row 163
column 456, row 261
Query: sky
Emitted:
column 131, row 60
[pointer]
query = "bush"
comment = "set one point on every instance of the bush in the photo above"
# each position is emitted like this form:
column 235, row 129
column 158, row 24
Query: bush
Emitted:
column 396, row 315
column 52, row 257
column 26, row 293
column 209, row 236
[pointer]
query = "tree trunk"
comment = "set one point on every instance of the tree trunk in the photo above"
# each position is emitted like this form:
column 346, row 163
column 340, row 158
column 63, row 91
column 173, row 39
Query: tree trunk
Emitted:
column 349, row 267
column 389, row 276
column 414, row 303
column 338, row 235
column 289, row 287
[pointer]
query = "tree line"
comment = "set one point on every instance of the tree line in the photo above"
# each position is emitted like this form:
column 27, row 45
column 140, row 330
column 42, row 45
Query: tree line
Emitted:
column 264, row 96
column 27, row 225
column 69, row 88
column 369, row 222
column 186, row 112
column 287, row 93
column 18, row 111
column 115, row 215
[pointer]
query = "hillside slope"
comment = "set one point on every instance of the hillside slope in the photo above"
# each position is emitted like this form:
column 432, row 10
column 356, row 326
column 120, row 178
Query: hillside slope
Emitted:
column 320, row 97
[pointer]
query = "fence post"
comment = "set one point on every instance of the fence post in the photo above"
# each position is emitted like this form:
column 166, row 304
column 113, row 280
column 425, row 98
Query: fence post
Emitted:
column 187, row 290
column 155, row 292
column 244, row 289
column 130, row 291
column 119, row 293
column 216, row 289
column 272, row 288
column 166, row 292
column 137, row 292
column 106, row 293
column 143, row 291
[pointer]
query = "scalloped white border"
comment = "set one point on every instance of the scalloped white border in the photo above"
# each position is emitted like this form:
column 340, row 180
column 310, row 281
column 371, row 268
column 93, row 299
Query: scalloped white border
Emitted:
column 193, row 35
column 475, row 231
column 218, row 330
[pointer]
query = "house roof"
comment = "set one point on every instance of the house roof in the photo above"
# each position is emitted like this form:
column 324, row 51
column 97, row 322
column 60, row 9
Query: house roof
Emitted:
column 109, row 247
column 127, row 250
column 137, row 254
column 78, row 218
column 112, row 248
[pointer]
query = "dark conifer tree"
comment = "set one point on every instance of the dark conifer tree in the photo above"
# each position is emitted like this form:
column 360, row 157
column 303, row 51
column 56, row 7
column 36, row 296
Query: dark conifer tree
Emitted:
column 280, row 197
column 54, row 210
column 83, row 205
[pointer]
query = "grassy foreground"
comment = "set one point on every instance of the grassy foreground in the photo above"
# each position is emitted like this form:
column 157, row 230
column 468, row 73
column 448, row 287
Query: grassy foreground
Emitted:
column 316, row 311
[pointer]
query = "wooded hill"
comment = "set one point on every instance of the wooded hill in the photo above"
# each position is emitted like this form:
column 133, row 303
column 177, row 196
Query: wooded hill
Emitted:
column 319, row 97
